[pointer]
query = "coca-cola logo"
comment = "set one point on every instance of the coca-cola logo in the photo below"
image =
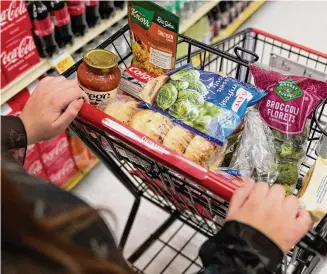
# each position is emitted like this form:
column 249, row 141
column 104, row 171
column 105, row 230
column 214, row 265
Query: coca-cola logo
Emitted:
column 66, row 169
column 14, row 11
column 61, row 146
column 25, row 47
column 35, row 168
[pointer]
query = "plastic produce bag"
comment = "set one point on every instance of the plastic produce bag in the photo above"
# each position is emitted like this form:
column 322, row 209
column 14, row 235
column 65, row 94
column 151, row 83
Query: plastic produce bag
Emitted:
column 255, row 155
column 162, row 130
column 290, row 102
column 202, row 102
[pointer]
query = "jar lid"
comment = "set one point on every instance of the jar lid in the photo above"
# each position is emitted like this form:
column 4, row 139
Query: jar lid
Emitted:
column 100, row 59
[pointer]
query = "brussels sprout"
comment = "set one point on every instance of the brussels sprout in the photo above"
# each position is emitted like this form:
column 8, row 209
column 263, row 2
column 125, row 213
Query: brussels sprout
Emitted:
column 167, row 96
column 194, row 97
column 180, row 109
column 212, row 110
column 199, row 87
column 192, row 114
column 188, row 75
column 202, row 123
column 179, row 84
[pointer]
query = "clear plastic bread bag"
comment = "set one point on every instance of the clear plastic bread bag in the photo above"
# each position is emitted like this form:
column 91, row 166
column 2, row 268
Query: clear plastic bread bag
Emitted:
column 162, row 130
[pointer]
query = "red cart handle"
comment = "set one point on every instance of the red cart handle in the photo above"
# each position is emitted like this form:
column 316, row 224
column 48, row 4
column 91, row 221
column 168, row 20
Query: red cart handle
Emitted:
column 215, row 183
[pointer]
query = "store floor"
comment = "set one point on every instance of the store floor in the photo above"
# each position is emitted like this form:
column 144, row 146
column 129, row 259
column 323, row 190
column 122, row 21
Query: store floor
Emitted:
column 302, row 22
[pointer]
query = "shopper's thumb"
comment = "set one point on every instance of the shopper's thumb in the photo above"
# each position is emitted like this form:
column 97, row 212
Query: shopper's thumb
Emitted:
column 68, row 115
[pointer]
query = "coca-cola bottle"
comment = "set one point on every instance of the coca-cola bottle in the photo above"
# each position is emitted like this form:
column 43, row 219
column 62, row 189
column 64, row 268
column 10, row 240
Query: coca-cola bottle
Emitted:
column 43, row 28
column 119, row 4
column 61, row 19
column 92, row 13
column 76, row 10
column 106, row 9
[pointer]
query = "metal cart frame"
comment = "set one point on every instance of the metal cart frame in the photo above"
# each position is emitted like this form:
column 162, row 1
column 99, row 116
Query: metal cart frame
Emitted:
column 191, row 194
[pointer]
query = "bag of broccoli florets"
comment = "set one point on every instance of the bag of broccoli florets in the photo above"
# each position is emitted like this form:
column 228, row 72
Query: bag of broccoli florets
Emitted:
column 291, row 100
column 205, row 103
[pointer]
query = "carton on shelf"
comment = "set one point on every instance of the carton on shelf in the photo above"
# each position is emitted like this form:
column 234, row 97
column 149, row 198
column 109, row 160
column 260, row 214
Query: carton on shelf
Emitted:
column 18, row 55
column 14, row 19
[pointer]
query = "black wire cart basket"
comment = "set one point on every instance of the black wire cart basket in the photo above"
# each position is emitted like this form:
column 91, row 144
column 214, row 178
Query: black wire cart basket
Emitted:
column 193, row 196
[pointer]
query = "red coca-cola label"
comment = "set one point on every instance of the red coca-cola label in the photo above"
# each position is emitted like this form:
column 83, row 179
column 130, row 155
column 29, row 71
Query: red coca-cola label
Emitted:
column 61, row 17
column 49, row 157
column 3, row 80
column 13, row 19
column 43, row 27
column 62, row 171
column 76, row 7
column 19, row 55
column 91, row 3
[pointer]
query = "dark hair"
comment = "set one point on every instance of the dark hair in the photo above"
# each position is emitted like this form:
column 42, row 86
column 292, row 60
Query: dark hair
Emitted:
column 42, row 245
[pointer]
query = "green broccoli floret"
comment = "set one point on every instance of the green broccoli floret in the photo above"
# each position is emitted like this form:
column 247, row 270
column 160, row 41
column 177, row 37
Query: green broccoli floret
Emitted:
column 288, row 190
column 288, row 173
column 286, row 150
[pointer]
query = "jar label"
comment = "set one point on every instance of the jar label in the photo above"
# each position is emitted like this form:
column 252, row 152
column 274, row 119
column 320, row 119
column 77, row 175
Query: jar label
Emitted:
column 99, row 99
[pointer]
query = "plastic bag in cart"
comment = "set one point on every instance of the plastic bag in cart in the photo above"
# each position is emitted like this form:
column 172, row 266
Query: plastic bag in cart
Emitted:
column 205, row 103
column 290, row 102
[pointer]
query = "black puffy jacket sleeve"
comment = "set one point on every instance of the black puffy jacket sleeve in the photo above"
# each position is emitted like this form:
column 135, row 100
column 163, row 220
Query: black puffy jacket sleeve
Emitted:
column 239, row 248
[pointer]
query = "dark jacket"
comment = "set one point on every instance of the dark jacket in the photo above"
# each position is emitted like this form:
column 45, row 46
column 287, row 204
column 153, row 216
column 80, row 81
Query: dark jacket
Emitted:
column 237, row 248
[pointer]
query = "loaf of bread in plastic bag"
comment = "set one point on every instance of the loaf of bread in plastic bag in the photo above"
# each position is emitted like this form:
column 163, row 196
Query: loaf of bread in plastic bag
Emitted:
column 162, row 130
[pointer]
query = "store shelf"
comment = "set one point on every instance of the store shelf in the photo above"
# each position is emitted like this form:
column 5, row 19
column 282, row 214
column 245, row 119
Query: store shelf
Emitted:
column 202, row 11
column 72, row 182
column 39, row 69
column 238, row 22
column 232, row 27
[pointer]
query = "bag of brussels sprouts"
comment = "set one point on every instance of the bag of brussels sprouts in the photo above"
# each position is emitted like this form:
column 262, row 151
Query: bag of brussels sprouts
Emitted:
column 205, row 103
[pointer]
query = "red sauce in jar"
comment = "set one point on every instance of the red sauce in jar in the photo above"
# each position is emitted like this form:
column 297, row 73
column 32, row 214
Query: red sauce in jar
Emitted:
column 99, row 76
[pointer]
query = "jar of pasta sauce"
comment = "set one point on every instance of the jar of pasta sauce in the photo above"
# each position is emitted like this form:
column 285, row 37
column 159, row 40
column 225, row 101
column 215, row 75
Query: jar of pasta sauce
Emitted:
column 99, row 76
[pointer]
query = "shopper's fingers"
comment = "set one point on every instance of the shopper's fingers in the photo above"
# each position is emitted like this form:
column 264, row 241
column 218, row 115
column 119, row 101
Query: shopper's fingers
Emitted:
column 68, row 115
column 291, row 206
column 68, row 84
column 47, row 79
column 258, row 193
column 276, row 195
column 69, row 96
column 240, row 196
column 303, row 220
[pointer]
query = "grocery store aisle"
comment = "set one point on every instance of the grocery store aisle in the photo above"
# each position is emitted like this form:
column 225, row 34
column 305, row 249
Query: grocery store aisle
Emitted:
column 301, row 22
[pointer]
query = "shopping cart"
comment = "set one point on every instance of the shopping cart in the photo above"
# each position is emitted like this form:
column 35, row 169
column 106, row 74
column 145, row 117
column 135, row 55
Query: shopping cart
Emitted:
column 194, row 197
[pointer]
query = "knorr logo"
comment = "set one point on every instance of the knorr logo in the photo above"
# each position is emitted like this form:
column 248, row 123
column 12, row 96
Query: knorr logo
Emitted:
column 141, row 16
column 288, row 90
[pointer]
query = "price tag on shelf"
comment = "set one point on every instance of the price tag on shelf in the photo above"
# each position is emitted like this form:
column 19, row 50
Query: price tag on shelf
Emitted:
column 62, row 62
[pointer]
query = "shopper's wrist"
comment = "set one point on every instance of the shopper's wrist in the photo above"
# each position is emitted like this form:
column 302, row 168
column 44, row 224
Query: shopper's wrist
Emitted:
column 29, row 130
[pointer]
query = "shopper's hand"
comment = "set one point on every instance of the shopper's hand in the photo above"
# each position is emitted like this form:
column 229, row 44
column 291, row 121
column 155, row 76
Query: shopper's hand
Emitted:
column 269, row 211
column 55, row 102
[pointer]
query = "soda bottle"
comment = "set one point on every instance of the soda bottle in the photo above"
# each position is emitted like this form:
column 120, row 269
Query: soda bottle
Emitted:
column 43, row 28
column 106, row 9
column 92, row 13
column 76, row 9
column 61, row 19
column 119, row 4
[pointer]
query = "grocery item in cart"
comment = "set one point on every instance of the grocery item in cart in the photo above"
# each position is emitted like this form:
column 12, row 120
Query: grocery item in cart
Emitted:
column 133, row 80
column 313, row 194
column 154, row 33
column 290, row 102
column 161, row 129
column 99, row 76
column 255, row 155
column 203, row 102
